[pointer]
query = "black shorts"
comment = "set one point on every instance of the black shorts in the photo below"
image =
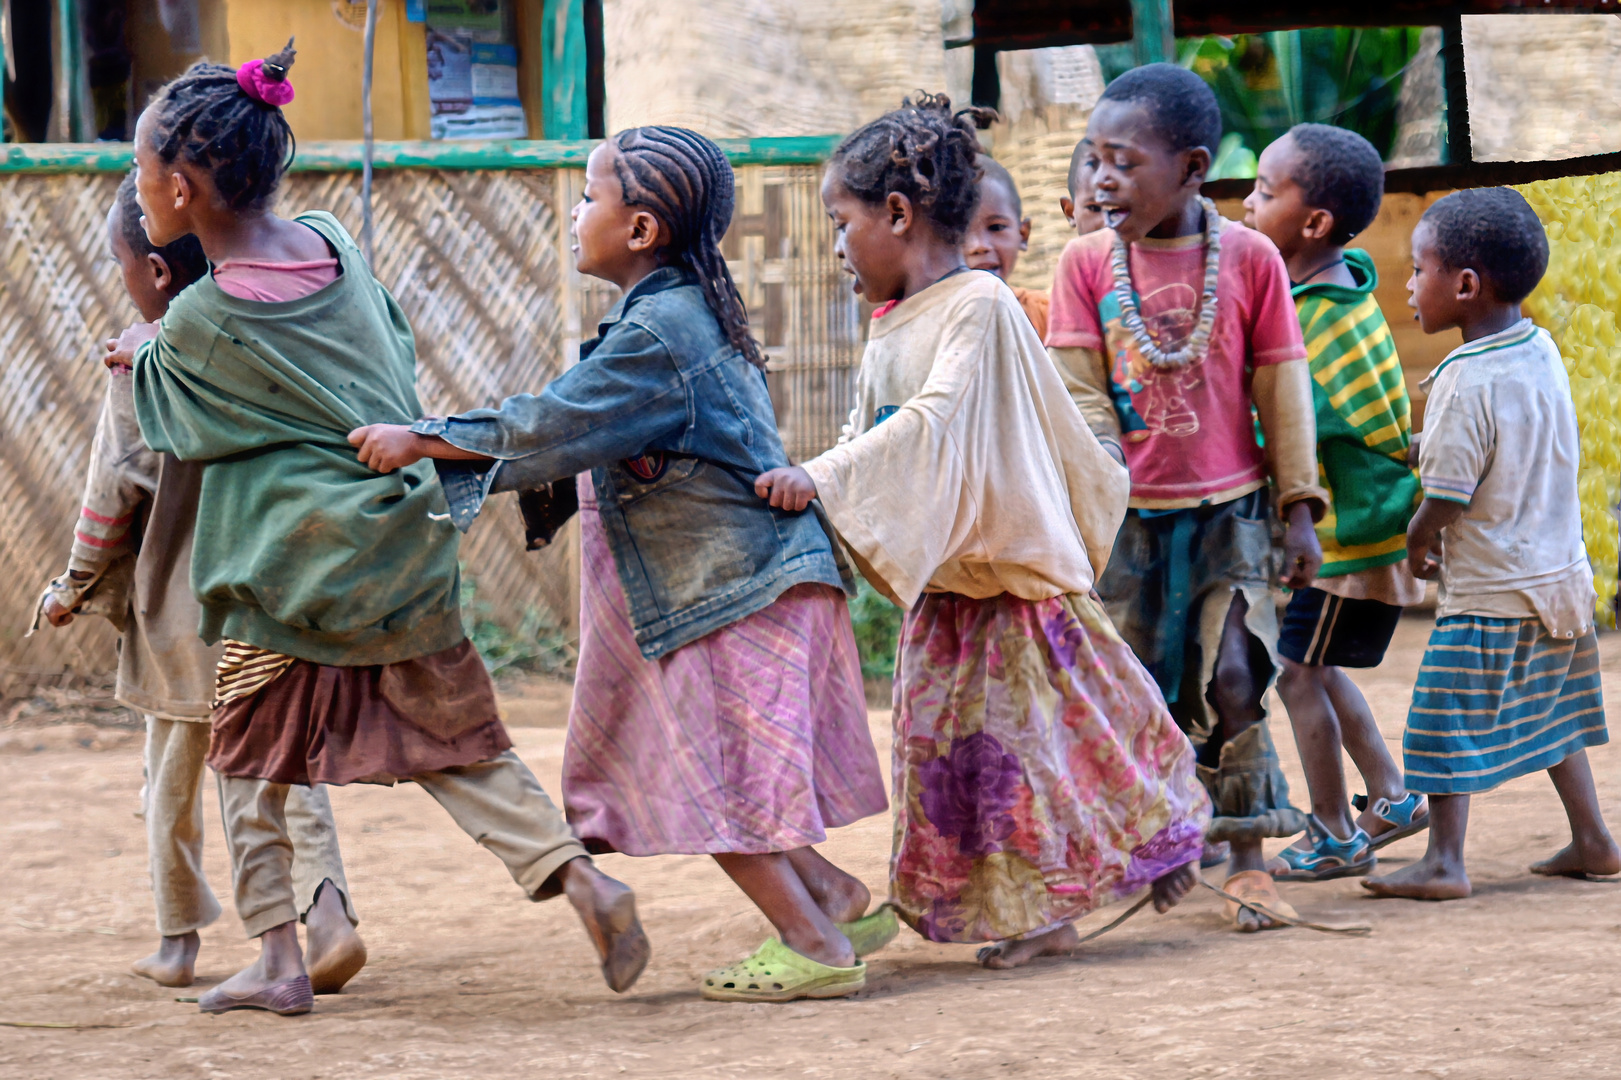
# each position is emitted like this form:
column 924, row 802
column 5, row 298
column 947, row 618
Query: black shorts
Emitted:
column 1323, row 630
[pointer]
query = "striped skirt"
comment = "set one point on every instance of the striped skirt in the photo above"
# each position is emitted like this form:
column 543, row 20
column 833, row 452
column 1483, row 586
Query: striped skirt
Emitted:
column 751, row 739
column 1497, row 699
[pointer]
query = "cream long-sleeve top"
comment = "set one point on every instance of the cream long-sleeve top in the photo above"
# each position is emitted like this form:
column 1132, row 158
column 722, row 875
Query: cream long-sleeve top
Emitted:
column 966, row 466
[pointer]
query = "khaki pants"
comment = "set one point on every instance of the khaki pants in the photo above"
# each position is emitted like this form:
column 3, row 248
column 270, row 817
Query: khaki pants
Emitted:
column 498, row 802
column 175, row 753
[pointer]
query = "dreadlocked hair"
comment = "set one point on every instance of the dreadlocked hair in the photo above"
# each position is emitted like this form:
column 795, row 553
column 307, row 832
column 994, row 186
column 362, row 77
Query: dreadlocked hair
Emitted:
column 206, row 119
column 924, row 151
column 185, row 257
column 686, row 182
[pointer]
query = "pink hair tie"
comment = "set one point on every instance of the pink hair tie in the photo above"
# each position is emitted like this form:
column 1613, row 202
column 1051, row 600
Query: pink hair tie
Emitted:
column 259, row 86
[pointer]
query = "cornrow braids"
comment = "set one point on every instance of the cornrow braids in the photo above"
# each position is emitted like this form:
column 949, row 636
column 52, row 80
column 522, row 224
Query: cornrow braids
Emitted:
column 686, row 182
column 205, row 118
column 921, row 150
column 185, row 257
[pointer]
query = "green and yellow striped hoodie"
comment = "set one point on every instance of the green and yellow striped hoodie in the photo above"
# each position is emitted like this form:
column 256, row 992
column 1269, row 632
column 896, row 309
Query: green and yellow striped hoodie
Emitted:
column 1364, row 422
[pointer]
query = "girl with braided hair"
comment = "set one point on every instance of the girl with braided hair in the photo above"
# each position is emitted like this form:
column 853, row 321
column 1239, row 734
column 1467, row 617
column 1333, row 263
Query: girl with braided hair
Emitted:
column 1037, row 773
column 719, row 707
column 333, row 589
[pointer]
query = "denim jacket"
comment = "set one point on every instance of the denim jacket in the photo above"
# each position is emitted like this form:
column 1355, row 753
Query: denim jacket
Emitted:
column 674, row 424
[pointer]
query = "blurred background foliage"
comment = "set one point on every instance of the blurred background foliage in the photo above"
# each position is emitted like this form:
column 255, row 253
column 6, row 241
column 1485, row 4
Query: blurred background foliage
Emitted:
column 1267, row 83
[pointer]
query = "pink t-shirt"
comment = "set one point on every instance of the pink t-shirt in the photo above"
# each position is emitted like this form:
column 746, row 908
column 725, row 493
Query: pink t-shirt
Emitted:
column 1186, row 434
column 274, row 282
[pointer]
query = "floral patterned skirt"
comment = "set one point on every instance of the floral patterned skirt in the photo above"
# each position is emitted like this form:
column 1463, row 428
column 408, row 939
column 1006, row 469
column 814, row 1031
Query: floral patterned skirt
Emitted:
column 1037, row 772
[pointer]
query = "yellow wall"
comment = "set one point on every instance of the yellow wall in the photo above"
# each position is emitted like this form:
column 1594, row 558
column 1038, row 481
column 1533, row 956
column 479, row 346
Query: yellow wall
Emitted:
column 330, row 56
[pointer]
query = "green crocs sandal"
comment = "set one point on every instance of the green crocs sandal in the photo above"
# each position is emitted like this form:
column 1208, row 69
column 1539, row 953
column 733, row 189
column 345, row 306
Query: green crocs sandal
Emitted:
column 777, row 973
column 871, row 932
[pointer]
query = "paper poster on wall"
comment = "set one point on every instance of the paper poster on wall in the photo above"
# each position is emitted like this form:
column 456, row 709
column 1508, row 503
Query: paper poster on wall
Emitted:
column 474, row 15
column 473, row 88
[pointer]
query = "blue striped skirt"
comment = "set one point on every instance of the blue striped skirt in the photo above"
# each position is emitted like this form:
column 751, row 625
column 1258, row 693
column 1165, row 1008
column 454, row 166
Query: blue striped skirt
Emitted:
column 1499, row 698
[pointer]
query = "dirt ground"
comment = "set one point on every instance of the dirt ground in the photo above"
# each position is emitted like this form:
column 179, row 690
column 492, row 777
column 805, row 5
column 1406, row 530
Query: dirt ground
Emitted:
column 467, row 979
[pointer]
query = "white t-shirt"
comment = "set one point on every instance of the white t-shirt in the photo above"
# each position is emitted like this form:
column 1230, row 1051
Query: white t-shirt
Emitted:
column 1500, row 437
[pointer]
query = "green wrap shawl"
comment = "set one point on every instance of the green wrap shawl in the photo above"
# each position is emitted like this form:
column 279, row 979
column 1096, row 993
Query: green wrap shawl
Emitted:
column 300, row 548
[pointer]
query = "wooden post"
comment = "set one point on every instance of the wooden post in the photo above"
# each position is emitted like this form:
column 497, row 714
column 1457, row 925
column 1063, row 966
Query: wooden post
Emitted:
column 562, row 70
column 1459, row 146
column 1153, row 32
column 367, row 244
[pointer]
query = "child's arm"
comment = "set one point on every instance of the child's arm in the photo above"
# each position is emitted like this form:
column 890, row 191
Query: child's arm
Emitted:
column 386, row 447
column 1424, row 535
column 1086, row 377
column 1282, row 394
column 122, row 474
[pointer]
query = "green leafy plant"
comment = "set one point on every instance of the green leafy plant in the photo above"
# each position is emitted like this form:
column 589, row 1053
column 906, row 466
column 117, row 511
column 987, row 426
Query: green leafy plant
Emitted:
column 877, row 624
column 536, row 644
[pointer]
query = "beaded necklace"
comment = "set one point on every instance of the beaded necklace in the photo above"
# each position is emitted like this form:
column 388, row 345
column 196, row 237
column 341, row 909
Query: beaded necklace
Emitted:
column 1198, row 342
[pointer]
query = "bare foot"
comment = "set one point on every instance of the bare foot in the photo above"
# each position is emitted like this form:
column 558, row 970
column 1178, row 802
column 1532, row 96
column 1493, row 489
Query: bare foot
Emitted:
column 1011, row 954
column 336, row 953
column 276, row 981
column 841, row 896
column 1579, row 860
column 1428, row 879
column 175, row 962
column 608, row 910
column 1170, row 889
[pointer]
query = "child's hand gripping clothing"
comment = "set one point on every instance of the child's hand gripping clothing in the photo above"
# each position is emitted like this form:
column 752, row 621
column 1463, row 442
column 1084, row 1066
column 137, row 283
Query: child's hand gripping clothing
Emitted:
column 788, row 489
column 386, row 447
column 120, row 355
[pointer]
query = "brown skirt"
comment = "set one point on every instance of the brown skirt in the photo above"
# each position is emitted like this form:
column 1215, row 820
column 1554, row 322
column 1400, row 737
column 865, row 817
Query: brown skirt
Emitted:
column 316, row 724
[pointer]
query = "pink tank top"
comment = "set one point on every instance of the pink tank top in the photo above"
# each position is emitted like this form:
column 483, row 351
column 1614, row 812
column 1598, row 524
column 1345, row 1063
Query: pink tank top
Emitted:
column 274, row 282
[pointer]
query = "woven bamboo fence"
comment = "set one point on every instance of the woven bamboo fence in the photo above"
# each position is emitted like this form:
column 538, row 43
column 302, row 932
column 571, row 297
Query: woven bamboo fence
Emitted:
column 478, row 261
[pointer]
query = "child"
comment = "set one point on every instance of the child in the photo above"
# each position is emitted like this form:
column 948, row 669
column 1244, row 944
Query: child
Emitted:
column 1510, row 681
column 1037, row 775
column 1317, row 188
column 718, row 707
column 130, row 561
column 334, row 589
column 1085, row 217
column 998, row 233
column 1174, row 329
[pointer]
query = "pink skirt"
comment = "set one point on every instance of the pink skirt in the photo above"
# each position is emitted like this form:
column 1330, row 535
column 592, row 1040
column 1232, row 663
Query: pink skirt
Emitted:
column 752, row 739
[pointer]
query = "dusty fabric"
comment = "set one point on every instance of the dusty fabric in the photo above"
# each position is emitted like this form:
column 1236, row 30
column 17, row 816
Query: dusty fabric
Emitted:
column 955, row 398
column 1497, row 699
column 274, row 282
column 246, row 669
column 1501, row 438
column 1187, row 434
column 1038, row 775
column 498, row 803
column 751, row 739
column 137, row 499
column 1169, row 588
column 174, row 832
column 316, row 724
column 1393, row 584
column 300, row 548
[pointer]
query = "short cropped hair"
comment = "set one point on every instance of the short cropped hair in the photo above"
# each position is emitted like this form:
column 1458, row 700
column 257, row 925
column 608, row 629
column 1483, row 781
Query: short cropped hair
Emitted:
column 1495, row 233
column 993, row 172
column 1339, row 171
column 1181, row 106
column 185, row 257
column 1077, row 158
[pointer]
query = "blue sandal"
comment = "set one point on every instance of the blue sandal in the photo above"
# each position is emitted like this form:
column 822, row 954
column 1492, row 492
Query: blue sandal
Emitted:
column 1328, row 857
column 1410, row 815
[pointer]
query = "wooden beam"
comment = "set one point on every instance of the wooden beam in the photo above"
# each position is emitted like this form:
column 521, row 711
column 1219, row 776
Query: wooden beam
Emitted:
column 344, row 156
column 1152, row 37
